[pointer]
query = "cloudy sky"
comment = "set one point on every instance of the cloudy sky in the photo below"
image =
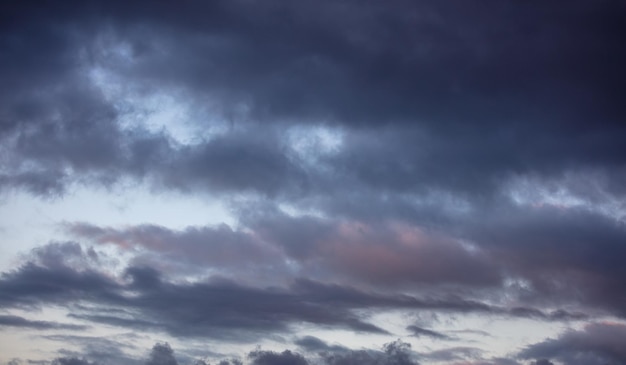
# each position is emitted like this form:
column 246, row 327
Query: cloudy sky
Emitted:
column 312, row 182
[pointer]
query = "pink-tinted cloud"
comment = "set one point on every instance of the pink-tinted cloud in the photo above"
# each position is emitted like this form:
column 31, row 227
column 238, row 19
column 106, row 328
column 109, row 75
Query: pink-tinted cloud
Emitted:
column 218, row 246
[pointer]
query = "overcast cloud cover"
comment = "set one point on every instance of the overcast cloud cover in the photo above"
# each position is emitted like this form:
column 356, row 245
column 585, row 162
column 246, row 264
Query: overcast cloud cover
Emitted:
column 308, row 182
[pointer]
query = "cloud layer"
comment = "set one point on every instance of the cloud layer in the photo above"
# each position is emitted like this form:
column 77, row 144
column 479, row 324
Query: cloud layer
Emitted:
column 406, row 158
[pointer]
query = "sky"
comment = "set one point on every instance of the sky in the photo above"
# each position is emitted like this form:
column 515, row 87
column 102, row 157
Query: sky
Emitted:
column 312, row 182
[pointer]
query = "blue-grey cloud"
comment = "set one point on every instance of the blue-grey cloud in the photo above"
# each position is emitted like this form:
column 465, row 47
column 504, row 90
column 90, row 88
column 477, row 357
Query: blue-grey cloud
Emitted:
column 142, row 299
column 423, row 102
column 596, row 343
column 21, row 322
column 314, row 344
column 470, row 157
column 423, row 332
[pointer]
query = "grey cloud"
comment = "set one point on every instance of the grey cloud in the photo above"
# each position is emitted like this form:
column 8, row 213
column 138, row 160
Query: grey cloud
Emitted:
column 218, row 246
column 495, row 361
column 242, row 162
column 314, row 344
column 414, row 68
column 60, row 129
column 143, row 299
column 423, row 332
column 438, row 107
column 71, row 361
column 393, row 353
column 56, row 127
column 556, row 250
column 61, row 254
column 21, row 322
column 472, row 332
column 543, row 362
column 339, row 248
column 43, row 183
column 555, row 315
column 553, row 249
column 345, row 46
column 273, row 358
column 100, row 350
column 33, row 285
column 55, row 273
column 434, row 107
column 299, row 237
column 162, row 354
column 233, row 308
column 454, row 354
column 596, row 343
column 546, row 227
column 383, row 253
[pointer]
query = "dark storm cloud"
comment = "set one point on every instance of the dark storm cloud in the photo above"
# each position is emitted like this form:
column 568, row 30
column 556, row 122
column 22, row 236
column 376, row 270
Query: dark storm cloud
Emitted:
column 596, row 343
column 463, row 91
column 401, row 60
column 21, row 322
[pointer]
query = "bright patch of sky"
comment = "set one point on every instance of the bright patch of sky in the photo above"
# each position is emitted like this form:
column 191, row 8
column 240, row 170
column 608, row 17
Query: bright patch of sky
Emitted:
column 173, row 112
column 310, row 143
column 28, row 221
column 566, row 193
